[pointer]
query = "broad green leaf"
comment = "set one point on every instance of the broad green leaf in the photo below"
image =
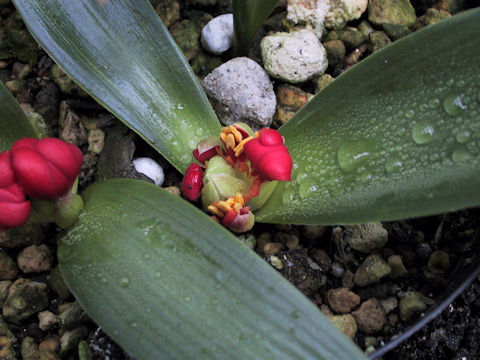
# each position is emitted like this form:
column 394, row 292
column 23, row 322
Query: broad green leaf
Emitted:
column 166, row 282
column 14, row 124
column 122, row 54
column 248, row 16
column 396, row 136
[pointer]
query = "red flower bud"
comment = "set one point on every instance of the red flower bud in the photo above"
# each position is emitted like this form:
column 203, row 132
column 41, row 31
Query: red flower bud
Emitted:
column 7, row 175
column 192, row 182
column 269, row 156
column 14, row 210
column 206, row 155
column 46, row 169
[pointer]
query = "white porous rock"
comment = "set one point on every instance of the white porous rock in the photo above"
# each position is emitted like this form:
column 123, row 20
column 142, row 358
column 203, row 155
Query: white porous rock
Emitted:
column 240, row 91
column 217, row 35
column 150, row 169
column 342, row 11
column 294, row 57
column 308, row 13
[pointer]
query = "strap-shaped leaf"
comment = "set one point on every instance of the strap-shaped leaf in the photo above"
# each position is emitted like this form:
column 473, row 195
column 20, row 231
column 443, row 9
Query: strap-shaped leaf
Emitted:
column 249, row 15
column 167, row 282
column 122, row 54
column 397, row 136
column 14, row 124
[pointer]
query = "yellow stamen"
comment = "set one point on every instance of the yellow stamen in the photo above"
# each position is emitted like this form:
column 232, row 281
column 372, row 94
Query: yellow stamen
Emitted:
column 237, row 134
column 230, row 143
column 239, row 199
column 239, row 148
column 214, row 210
column 223, row 136
column 224, row 206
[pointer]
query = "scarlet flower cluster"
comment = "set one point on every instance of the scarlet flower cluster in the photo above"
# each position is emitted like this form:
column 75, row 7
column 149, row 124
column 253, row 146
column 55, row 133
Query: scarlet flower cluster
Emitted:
column 43, row 169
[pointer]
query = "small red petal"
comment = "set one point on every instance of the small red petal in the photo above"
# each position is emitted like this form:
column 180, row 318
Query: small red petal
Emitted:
column 229, row 217
column 276, row 165
column 14, row 214
column 192, row 182
column 270, row 137
column 206, row 155
column 7, row 175
column 12, row 193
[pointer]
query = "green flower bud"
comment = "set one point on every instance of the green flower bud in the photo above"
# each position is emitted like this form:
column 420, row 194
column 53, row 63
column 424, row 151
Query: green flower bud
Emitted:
column 67, row 210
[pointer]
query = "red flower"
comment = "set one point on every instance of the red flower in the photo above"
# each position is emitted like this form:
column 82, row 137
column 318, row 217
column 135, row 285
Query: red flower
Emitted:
column 269, row 156
column 14, row 210
column 46, row 169
column 192, row 182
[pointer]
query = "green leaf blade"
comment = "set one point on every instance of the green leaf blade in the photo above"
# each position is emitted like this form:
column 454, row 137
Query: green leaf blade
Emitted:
column 14, row 124
column 394, row 137
column 122, row 54
column 248, row 17
column 167, row 282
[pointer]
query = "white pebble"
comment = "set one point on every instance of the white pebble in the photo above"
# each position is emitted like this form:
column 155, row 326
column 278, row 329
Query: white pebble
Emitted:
column 150, row 168
column 217, row 35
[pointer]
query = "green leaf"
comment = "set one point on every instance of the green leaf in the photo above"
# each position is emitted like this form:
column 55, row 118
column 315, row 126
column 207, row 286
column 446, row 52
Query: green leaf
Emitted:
column 122, row 54
column 14, row 124
column 248, row 16
column 166, row 282
column 397, row 136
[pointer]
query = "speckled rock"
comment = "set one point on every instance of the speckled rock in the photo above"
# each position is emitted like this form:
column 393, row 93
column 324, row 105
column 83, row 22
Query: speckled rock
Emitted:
column 169, row 11
column 290, row 99
column 412, row 302
column 396, row 32
column 42, row 129
column 35, row 259
column 345, row 323
column 72, row 316
column 397, row 266
column 8, row 269
column 373, row 268
column 241, row 91
column 322, row 82
column 72, row 129
column 6, row 348
column 366, row 238
column 342, row 11
column 431, row 16
column 309, row 14
column 187, row 37
column 293, row 57
column 451, row 6
column 399, row 12
column 22, row 236
column 217, row 35
column 342, row 300
column 66, row 85
column 96, row 141
column 25, row 298
column 439, row 262
column 46, row 319
column 378, row 40
column 370, row 316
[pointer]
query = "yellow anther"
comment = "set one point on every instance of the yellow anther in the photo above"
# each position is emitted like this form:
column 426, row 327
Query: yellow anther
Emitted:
column 230, row 143
column 224, row 206
column 237, row 134
column 237, row 208
column 215, row 211
column 239, row 148
column 239, row 199
column 223, row 137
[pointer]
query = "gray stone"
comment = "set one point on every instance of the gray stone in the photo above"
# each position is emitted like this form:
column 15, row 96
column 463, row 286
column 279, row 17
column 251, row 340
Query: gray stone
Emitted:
column 345, row 323
column 217, row 35
column 309, row 14
column 342, row 11
column 35, row 259
column 24, row 299
column 366, row 238
column 46, row 319
column 399, row 12
column 241, row 91
column 294, row 57
column 373, row 268
column 370, row 316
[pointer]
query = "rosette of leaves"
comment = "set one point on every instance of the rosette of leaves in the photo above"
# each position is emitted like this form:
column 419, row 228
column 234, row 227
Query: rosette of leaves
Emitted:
column 394, row 137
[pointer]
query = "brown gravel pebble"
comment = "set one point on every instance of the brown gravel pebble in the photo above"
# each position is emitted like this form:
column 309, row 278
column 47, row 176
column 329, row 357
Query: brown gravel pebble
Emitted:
column 370, row 316
column 35, row 259
column 342, row 300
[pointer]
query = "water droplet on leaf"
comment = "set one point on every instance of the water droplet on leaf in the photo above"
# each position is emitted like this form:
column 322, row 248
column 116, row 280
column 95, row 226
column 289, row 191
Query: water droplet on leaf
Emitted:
column 423, row 133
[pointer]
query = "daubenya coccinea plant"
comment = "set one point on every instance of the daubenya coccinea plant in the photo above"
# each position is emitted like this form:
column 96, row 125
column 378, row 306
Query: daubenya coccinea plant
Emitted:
column 394, row 137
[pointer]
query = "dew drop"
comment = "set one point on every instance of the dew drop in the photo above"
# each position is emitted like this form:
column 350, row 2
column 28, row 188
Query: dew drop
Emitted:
column 187, row 299
column 434, row 103
column 423, row 133
column 454, row 105
column 157, row 275
column 287, row 197
column 463, row 136
column 308, row 188
column 124, row 282
column 409, row 113
column 461, row 155
column 393, row 165
column 365, row 177
column 352, row 154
